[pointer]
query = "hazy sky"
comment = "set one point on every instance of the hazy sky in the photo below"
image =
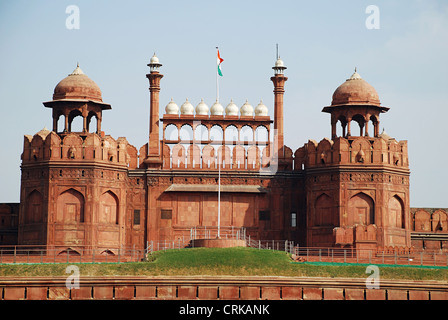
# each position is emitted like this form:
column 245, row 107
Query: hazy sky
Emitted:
column 321, row 42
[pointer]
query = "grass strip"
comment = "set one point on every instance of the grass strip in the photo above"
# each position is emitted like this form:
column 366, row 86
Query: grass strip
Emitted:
column 225, row 261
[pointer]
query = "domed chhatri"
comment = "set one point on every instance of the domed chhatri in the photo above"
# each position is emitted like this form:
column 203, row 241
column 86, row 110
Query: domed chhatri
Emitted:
column 247, row 109
column 154, row 64
column 202, row 108
column 172, row 108
column 355, row 91
column 77, row 86
column 232, row 109
column 187, row 108
column 261, row 110
column 355, row 100
column 217, row 109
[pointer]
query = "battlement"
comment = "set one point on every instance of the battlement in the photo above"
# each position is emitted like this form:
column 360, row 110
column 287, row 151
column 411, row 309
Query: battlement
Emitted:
column 49, row 146
column 352, row 151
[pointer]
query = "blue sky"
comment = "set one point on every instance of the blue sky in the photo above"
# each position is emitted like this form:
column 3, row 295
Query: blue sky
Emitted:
column 320, row 42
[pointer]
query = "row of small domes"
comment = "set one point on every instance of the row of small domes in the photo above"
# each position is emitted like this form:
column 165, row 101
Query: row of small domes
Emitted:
column 216, row 109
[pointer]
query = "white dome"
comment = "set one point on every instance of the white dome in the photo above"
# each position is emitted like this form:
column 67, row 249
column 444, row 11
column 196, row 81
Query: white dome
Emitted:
column 187, row 108
column 231, row 109
column 154, row 59
column 279, row 63
column 172, row 108
column 247, row 109
column 202, row 108
column 217, row 109
column 261, row 109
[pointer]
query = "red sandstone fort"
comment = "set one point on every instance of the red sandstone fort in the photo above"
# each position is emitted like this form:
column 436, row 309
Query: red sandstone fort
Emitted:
column 89, row 190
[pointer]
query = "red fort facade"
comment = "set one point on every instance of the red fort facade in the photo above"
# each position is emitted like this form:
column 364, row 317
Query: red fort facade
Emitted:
column 88, row 190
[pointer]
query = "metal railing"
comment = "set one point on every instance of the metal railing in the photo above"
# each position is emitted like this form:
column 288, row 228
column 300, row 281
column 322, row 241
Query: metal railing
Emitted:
column 92, row 254
column 371, row 256
column 74, row 254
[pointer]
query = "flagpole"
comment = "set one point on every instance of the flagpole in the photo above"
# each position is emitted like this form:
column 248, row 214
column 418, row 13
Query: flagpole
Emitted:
column 219, row 155
column 219, row 198
column 217, row 84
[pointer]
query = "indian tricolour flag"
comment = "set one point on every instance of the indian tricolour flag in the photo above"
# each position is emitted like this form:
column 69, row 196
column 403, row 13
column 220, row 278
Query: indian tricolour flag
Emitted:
column 218, row 61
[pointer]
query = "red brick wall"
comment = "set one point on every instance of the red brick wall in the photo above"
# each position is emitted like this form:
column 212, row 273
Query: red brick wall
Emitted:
column 187, row 290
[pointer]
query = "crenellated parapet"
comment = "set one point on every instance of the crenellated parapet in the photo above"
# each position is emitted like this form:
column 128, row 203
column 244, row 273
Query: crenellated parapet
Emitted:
column 358, row 151
column 48, row 146
column 429, row 219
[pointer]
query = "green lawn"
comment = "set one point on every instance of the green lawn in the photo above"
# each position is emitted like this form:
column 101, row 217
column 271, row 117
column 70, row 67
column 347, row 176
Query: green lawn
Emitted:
column 225, row 261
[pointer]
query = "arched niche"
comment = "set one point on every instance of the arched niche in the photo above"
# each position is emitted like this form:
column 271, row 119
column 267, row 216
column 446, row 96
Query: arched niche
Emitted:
column 70, row 207
column 422, row 221
column 186, row 133
column 439, row 221
column 34, row 207
column 396, row 213
column 108, row 208
column 208, row 157
column 361, row 210
column 325, row 211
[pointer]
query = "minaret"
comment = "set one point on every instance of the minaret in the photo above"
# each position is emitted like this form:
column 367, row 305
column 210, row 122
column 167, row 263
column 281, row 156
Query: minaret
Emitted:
column 154, row 157
column 279, row 80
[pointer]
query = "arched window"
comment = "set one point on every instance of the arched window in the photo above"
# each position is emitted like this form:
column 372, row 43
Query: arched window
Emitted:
column 201, row 133
column 246, row 134
column 75, row 121
column 341, row 131
column 361, row 122
column 91, row 126
column 186, row 133
column 231, row 134
column 216, row 133
column 171, row 132
column 261, row 134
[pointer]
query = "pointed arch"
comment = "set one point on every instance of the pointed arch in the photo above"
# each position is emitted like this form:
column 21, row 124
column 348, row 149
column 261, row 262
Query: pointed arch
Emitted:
column 108, row 208
column 34, row 207
column 186, row 133
column 179, row 156
column 422, row 221
column 78, row 124
column 396, row 212
column 324, row 211
column 439, row 221
column 70, row 207
column 361, row 122
column 239, row 157
column 361, row 210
